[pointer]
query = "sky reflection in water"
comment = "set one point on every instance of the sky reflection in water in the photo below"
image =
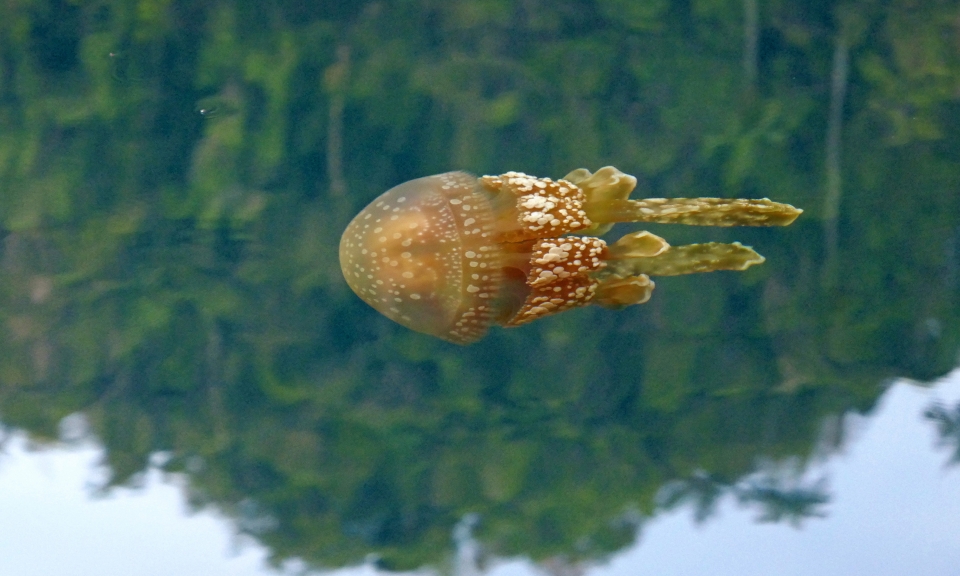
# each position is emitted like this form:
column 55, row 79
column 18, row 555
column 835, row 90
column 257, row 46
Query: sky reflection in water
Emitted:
column 893, row 512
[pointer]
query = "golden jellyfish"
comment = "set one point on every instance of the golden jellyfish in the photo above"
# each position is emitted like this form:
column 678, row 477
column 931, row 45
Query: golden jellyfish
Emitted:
column 452, row 254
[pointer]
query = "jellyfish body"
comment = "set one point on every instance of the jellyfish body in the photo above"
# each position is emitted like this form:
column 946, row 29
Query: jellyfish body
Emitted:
column 450, row 255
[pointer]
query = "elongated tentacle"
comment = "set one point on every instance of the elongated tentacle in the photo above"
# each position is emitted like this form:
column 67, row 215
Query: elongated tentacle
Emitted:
column 694, row 211
column 688, row 259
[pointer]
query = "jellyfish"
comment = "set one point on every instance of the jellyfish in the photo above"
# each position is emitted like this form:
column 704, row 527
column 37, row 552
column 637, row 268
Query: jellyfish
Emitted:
column 451, row 255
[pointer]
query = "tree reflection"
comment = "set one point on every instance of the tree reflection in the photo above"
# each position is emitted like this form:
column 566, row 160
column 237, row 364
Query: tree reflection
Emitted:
column 779, row 494
column 701, row 491
column 173, row 274
column 947, row 422
column 785, row 502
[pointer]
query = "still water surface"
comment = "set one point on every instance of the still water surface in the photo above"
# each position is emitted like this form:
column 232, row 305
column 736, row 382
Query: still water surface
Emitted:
column 174, row 180
column 895, row 459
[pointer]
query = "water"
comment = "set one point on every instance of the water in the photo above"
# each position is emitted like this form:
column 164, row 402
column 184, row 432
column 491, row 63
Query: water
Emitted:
column 176, row 178
column 891, row 509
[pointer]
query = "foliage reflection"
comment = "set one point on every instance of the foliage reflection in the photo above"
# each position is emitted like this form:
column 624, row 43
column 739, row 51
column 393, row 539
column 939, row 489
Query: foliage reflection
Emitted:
column 174, row 178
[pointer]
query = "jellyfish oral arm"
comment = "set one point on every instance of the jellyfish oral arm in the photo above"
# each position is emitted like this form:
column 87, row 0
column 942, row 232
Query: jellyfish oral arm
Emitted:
column 688, row 259
column 693, row 211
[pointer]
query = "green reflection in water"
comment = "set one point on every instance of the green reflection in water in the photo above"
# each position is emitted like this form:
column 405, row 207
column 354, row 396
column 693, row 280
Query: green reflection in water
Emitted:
column 169, row 259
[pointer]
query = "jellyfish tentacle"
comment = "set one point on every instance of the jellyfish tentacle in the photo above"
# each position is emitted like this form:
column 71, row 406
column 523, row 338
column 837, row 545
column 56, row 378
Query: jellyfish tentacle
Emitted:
column 694, row 211
column 619, row 292
column 605, row 185
column 688, row 259
column 640, row 244
column 607, row 192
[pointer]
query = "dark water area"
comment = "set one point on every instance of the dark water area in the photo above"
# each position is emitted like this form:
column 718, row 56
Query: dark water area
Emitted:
column 175, row 177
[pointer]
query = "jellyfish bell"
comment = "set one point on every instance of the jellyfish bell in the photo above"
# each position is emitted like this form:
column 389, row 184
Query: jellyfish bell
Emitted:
column 452, row 254
column 421, row 255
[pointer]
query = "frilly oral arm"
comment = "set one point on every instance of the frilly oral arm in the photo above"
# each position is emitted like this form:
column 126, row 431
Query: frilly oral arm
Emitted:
column 688, row 259
column 607, row 200
column 694, row 211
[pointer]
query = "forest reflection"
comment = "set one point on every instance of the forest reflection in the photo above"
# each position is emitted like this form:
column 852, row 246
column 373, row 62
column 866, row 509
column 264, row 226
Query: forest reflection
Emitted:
column 175, row 179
